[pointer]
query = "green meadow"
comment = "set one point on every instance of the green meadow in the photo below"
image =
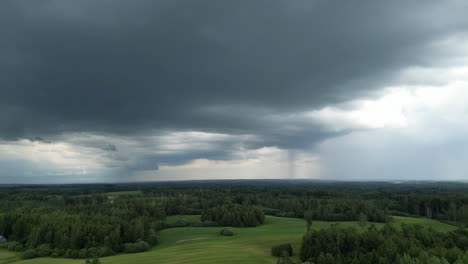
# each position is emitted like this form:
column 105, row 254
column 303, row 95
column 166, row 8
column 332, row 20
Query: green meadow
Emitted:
column 8, row 257
column 204, row 245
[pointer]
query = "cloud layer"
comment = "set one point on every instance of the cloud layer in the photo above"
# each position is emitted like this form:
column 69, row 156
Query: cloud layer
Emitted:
column 132, row 86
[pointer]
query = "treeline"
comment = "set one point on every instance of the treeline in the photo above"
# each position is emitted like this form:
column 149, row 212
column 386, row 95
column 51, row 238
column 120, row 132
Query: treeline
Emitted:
column 87, row 226
column 331, row 209
column 412, row 244
column 98, row 229
column 329, row 201
column 234, row 215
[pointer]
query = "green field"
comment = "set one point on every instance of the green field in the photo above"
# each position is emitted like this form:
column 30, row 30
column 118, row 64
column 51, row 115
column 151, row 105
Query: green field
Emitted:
column 203, row 244
column 7, row 256
column 434, row 224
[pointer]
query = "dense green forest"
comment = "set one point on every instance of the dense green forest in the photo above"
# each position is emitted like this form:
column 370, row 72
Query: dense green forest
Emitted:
column 234, row 215
column 84, row 221
column 411, row 244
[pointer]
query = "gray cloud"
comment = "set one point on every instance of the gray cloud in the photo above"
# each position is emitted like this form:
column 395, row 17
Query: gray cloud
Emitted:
column 238, row 67
column 122, row 66
column 110, row 147
column 39, row 139
column 365, row 156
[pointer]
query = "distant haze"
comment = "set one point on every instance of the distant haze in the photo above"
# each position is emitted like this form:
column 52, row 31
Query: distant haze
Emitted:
column 111, row 91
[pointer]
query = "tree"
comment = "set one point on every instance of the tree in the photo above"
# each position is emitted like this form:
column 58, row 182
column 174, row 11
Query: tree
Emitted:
column 140, row 246
column 285, row 259
column 29, row 254
column 326, row 259
column 152, row 237
column 281, row 250
column 362, row 220
column 234, row 215
column 462, row 260
column 44, row 250
column 406, row 259
column 308, row 215
column 226, row 232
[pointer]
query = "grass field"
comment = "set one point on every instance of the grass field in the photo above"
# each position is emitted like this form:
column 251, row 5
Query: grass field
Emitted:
column 8, row 257
column 434, row 224
column 203, row 244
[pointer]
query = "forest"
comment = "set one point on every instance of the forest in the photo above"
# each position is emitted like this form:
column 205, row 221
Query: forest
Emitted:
column 411, row 244
column 86, row 221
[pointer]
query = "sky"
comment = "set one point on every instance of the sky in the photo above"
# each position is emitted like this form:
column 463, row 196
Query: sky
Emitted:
column 123, row 91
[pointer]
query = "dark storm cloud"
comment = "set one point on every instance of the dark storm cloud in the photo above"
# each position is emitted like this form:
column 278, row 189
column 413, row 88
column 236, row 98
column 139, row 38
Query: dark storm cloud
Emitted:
column 125, row 67
column 39, row 139
column 110, row 147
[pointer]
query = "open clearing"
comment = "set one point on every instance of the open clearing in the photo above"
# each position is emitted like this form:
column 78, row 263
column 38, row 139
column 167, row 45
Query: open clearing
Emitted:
column 7, row 256
column 203, row 245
